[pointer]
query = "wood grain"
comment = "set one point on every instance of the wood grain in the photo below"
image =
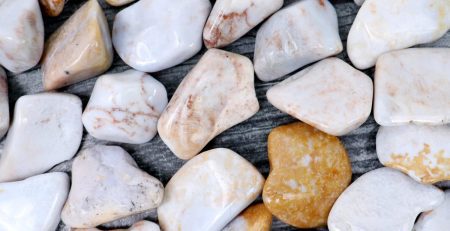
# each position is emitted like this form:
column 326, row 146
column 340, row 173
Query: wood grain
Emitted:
column 248, row 138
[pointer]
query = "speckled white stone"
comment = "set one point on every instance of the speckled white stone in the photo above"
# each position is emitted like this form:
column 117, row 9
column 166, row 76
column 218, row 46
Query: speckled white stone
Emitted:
column 437, row 219
column 299, row 34
column 385, row 25
column 21, row 34
column 209, row 191
column 33, row 204
column 413, row 85
column 382, row 199
column 217, row 94
column 231, row 19
column 4, row 105
column 331, row 96
column 125, row 107
column 423, row 152
column 152, row 35
column 108, row 185
column 46, row 131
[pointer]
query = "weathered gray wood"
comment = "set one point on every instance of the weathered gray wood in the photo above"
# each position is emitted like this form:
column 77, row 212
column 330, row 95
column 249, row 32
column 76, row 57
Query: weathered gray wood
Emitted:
column 248, row 138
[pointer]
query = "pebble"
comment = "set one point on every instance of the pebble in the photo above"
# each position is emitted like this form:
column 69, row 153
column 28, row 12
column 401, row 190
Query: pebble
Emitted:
column 383, row 199
column 308, row 171
column 107, row 185
column 412, row 86
column 21, row 34
column 230, row 20
column 209, row 191
column 4, row 105
column 385, row 25
column 437, row 219
column 80, row 49
column 125, row 107
column 301, row 33
column 52, row 8
column 168, row 32
column 119, row 2
column 46, row 131
column 331, row 96
column 422, row 152
column 254, row 218
column 217, row 94
column 138, row 226
column 33, row 204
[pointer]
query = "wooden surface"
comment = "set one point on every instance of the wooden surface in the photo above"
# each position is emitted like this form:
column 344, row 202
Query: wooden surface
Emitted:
column 248, row 138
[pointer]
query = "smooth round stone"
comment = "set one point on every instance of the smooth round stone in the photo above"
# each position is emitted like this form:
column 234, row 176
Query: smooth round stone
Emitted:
column 230, row 20
column 125, row 107
column 436, row 220
column 254, row 218
column 209, row 191
column 383, row 199
column 33, row 204
column 152, row 35
column 422, row 152
column 308, row 171
column 52, row 8
column 21, row 34
column 4, row 105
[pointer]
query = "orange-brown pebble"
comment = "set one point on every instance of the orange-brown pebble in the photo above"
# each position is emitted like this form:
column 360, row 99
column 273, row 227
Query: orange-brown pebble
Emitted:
column 254, row 218
column 52, row 8
column 308, row 171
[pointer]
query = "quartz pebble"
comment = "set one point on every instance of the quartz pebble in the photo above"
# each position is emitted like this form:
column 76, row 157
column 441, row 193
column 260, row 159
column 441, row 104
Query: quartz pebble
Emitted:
column 80, row 49
column 138, row 226
column 46, row 131
column 230, row 20
column 299, row 34
column 152, row 35
column 412, row 86
column 21, row 34
column 4, row 105
column 108, row 185
column 423, row 152
column 331, row 95
column 437, row 219
column 33, row 204
column 308, row 171
column 209, row 191
column 119, row 2
column 383, row 199
column 52, row 8
column 217, row 94
column 254, row 218
column 385, row 25
column 125, row 107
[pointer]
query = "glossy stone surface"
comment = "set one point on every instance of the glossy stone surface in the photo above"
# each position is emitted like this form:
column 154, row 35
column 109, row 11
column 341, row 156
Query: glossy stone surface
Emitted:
column 217, row 94
column 436, row 220
column 308, row 171
column 118, row 2
column 107, row 185
column 254, row 218
column 125, row 107
column 4, row 105
column 80, row 49
column 138, row 226
column 422, row 152
column 52, row 8
column 21, row 34
column 46, row 131
column 230, row 20
column 33, row 204
column 412, row 86
column 385, row 25
column 299, row 34
column 168, row 32
column 383, row 199
column 331, row 96
column 209, row 191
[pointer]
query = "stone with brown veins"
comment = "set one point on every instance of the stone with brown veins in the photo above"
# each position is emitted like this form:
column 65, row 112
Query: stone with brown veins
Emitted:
column 21, row 34
column 52, row 8
column 254, row 218
column 308, row 171
column 217, row 94
column 80, row 49
column 230, row 20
